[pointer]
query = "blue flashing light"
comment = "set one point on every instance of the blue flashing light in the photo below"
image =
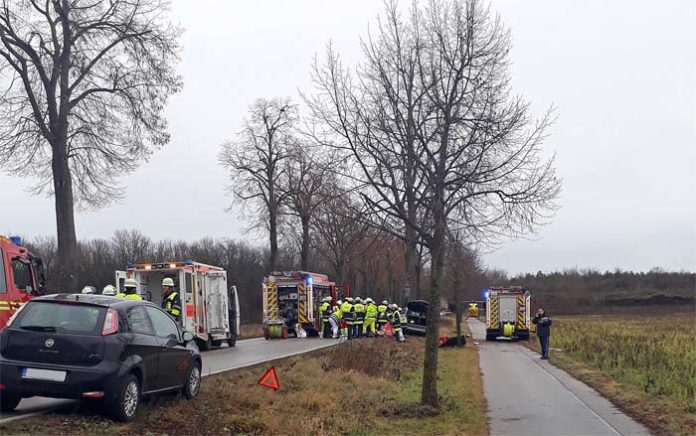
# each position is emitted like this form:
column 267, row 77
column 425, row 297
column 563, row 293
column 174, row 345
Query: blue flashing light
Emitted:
column 309, row 280
column 189, row 262
column 130, row 265
column 485, row 294
column 17, row 240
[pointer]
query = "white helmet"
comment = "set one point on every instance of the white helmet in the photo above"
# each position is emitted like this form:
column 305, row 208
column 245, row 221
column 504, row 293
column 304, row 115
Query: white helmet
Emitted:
column 168, row 282
column 339, row 302
column 89, row 290
column 358, row 300
column 369, row 300
column 130, row 283
column 109, row 290
column 385, row 302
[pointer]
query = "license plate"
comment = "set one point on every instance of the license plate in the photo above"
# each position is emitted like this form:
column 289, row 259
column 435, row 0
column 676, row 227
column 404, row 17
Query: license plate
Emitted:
column 43, row 374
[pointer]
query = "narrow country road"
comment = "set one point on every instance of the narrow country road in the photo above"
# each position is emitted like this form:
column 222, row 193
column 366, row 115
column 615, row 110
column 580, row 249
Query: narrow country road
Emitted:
column 248, row 352
column 528, row 396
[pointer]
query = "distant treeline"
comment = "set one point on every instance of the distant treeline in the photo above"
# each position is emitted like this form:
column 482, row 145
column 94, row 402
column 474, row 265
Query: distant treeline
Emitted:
column 580, row 291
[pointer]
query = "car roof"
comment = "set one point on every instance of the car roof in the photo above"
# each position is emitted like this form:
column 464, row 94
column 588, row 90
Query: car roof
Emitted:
column 94, row 299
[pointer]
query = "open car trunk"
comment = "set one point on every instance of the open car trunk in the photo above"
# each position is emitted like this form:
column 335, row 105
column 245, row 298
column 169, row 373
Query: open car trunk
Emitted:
column 416, row 316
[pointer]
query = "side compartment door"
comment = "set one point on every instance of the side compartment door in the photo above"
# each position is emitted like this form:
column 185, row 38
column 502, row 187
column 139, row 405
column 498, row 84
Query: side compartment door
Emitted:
column 216, row 298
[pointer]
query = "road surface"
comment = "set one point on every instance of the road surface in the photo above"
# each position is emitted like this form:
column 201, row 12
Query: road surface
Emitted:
column 528, row 396
column 248, row 352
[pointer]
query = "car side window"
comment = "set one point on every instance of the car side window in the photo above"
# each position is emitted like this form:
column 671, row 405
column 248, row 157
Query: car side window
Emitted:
column 139, row 322
column 164, row 325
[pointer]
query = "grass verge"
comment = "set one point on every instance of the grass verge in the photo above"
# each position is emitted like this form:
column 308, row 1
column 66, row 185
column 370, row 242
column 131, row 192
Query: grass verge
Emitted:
column 646, row 365
column 364, row 387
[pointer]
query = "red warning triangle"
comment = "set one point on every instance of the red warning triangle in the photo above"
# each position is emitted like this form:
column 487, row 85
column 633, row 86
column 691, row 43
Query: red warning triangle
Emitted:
column 270, row 380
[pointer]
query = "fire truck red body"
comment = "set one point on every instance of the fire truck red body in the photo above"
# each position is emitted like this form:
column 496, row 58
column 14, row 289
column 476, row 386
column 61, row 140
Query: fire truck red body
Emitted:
column 21, row 277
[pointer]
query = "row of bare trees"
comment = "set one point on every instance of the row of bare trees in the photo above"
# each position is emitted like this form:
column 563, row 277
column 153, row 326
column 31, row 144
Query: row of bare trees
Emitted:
column 429, row 146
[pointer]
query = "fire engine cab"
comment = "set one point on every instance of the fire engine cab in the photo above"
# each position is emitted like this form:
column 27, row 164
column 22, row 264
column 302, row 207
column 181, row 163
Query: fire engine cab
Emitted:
column 21, row 276
column 209, row 309
column 294, row 297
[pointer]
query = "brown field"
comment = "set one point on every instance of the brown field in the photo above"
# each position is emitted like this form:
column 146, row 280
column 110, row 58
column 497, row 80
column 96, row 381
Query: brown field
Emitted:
column 364, row 387
column 645, row 363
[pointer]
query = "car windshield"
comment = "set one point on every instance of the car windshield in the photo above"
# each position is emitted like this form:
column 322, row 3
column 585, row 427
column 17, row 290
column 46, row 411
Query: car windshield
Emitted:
column 61, row 318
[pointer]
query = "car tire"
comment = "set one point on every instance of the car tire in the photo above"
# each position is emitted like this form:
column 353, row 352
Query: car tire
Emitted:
column 192, row 384
column 9, row 402
column 204, row 345
column 124, row 407
column 216, row 343
column 232, row 341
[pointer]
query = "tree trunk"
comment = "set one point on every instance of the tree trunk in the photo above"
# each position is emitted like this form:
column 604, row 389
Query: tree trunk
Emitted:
column 458, row 308
column 429, row 394
column 65, row 220
column 411, row 259
column 304, row 249
column 273, row 235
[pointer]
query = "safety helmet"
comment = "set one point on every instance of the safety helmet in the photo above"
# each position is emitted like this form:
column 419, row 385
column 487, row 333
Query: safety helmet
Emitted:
column 329, row 298
column 369, row 300
column 109, row 290
column 339, row 302
column 130, row 283
column 393, row 306
column 349, row 299
column 168, row 282
column 385, row 302
column 88, row 290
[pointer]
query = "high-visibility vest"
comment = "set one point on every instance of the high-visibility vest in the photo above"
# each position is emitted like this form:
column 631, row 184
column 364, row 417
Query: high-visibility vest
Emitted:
column 324, row 311
column 346, row 311
column 170, row 306
column 359, row 312
column 371, row 311
column 131, row 296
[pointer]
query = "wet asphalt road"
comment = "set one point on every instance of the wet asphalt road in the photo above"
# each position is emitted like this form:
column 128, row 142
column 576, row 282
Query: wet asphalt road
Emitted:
column 248, row 352
column 528, row 396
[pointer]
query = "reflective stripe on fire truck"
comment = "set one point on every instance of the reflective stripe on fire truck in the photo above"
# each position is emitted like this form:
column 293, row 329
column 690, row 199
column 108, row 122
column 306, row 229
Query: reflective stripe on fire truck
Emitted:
column 521, row 311
column 495, row 308
column 272, row 301
column 10, row 305
column 302, row 303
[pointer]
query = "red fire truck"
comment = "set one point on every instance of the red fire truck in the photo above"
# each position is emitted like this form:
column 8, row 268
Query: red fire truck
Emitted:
column 21, row 276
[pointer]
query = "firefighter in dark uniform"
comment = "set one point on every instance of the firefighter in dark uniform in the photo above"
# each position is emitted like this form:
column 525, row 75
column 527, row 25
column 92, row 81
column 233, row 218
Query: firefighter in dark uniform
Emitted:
column 171, row 302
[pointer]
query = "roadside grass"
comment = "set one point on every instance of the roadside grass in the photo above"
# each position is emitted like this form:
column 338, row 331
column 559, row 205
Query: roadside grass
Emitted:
column 363, row 387
column 645, row 364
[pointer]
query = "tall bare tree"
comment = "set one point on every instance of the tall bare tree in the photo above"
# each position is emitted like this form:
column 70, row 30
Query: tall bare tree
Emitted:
column 85, row 84
column 476, row 156
column 308, row 170
column 256, row 161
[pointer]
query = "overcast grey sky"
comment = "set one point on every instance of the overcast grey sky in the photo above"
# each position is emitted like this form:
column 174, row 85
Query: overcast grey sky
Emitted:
column 621, row 73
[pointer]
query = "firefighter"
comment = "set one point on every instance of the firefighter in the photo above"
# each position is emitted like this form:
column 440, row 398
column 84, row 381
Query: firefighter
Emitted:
column 334, row 321
column 370, row 317
column 395, row 320
column 130, row 287
column 324, row 314
column 171, row 302
column 109, row 290
column 382, row 316
column 359, row 310
column 347, row 311
column 88, row 290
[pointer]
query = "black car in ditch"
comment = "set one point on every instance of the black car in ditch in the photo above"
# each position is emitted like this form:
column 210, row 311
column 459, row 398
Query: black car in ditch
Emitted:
column 96, row 348
column 416, row 317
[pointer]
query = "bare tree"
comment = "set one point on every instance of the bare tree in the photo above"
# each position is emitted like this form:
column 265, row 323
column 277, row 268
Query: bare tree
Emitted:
column 256, row 161
column 476, row 157
column 308, row 169
column 85, row 84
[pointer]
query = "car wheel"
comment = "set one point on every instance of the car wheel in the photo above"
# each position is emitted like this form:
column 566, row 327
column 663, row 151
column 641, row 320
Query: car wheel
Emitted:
column 232, row 341
column 216, row 343
column 126, row 403
column 9, row 402
column 204, row 345
column 193, row 381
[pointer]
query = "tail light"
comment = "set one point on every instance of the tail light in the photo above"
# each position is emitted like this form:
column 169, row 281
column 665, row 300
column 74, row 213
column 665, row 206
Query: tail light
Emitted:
column 110, row 322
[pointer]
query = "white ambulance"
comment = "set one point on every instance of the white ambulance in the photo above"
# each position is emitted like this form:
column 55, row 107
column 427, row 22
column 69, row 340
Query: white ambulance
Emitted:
column 210, row 310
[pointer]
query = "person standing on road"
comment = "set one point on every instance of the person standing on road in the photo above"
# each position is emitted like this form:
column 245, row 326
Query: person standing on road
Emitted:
column 171, row 302
column 347, row 315
column 359, row 319
column 324, row 314
column 543, row 324
column 130, row 290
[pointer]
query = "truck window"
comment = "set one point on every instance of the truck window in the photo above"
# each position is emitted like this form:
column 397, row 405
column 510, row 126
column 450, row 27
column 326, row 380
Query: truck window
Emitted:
column 21, row 270
column 3, row 280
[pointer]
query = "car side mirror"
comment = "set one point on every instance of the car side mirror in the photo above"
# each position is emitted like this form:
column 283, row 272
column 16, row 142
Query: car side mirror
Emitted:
column 187, row 336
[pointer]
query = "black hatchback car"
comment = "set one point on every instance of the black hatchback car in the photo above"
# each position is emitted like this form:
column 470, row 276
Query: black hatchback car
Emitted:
column 107, row 349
